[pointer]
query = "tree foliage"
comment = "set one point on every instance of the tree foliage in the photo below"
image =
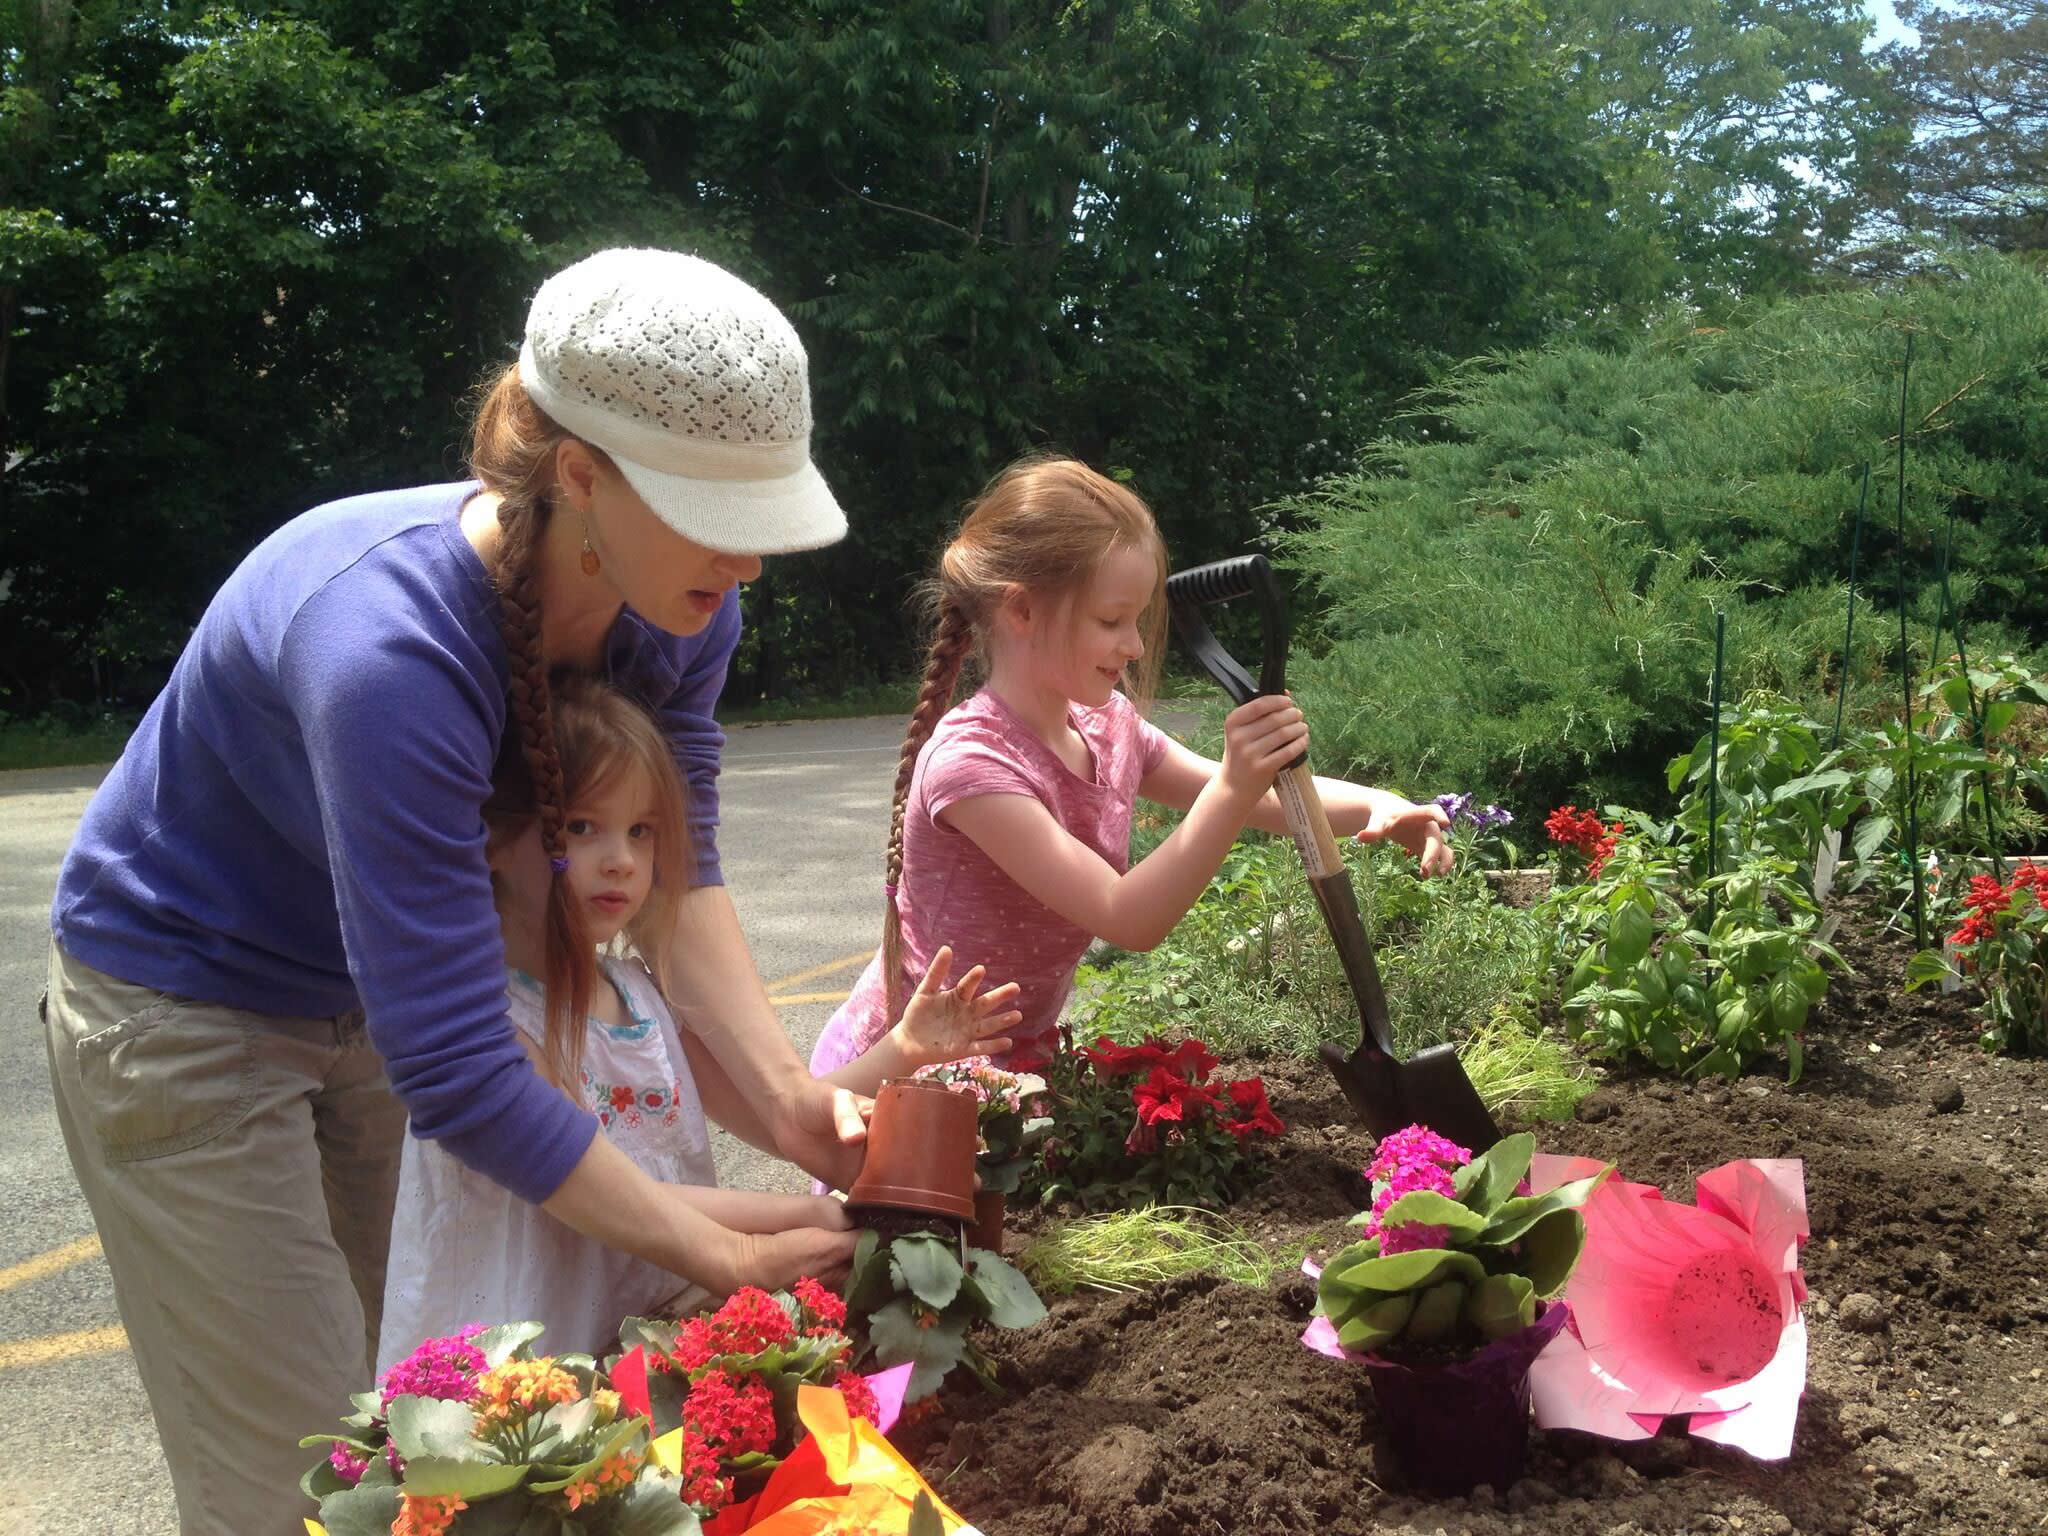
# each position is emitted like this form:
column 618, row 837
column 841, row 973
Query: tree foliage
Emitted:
column 1523, row 606
column 251, row 261
column 1977, row 81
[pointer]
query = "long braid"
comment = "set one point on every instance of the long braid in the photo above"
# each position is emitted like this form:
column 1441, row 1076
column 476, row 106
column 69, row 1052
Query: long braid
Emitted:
column 951, row 642
column 571, row 962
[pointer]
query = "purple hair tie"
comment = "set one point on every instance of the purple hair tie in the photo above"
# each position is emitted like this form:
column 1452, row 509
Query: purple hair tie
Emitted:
column 559, row 866
column 889, row 889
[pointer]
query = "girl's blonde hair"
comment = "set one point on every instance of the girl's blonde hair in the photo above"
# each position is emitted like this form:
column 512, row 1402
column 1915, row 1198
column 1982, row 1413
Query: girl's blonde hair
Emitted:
column 512, row 452
column 599, row 735
column 1043, row 525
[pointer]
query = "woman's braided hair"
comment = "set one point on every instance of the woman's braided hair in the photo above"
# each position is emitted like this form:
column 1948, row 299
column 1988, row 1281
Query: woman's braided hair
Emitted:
column 1042, row 526
column 512, row 452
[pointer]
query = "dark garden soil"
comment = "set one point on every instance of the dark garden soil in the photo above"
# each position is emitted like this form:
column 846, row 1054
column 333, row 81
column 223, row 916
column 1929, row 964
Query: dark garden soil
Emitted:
column 1191, row 1407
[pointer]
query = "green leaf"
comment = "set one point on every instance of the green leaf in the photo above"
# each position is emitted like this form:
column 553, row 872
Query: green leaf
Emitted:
column 1011, row 1301
column 1812, row 783
column 1375, row 1323
column 1515, row 1217
column 1788, row 1002
column 1432, row 1209
column 1343, row 1282
column 927, row 1267
column 427, row 1426
column 1550, row 1250
column 1629, row 933
column 1927, row 965
column 868, row 1284
column 472, row 1480
column 1872, row 832
column 653, row 1506
column 1501, row 1305
column 1437, row 1311
column 499, row 1344
column 361, row 1511
column 932, row 1351
column 1500, row 1168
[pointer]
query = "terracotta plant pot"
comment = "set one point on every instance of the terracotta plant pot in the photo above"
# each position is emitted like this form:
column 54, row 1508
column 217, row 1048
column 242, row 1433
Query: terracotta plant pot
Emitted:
column 921, row 1142
column 987, row 1231
column 1465, row 1422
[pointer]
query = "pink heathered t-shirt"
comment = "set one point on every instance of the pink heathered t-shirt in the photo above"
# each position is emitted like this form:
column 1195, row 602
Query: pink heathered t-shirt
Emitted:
column 953, row 893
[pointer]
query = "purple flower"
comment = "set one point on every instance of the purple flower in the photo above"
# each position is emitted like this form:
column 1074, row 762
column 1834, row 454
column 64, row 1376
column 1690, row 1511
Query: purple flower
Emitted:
column 1459, row 809
column 348, row 1466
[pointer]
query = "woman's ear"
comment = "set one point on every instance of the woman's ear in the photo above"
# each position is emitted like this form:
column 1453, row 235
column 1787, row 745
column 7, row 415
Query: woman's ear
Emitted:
column 576, row 472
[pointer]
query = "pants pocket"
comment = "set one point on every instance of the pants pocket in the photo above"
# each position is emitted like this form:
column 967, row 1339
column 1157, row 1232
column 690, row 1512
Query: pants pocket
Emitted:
column 166, row 1079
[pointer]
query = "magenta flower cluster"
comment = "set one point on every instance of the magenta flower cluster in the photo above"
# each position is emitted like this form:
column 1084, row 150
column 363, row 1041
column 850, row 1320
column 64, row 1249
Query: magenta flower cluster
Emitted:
column 445, row 1368
column 1404, row 1162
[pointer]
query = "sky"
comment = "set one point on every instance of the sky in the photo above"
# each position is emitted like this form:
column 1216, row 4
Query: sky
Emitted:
column 1889, row 29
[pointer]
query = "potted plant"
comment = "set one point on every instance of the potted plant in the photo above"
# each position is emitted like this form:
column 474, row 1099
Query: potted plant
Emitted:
column 1009, row 1124
column 1449, row 1300
column 919, row 1294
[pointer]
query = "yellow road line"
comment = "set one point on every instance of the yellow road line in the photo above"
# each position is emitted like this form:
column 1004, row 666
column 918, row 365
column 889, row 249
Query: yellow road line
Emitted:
column 15, row 1353
column 830, row 966
column 49, row 1263
column 809, row 997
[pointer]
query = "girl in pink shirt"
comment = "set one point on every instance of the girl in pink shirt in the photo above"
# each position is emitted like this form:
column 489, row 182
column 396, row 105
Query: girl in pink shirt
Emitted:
column 1011, row 834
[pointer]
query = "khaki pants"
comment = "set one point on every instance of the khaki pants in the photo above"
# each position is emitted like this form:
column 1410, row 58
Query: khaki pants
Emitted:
column 240, row 1169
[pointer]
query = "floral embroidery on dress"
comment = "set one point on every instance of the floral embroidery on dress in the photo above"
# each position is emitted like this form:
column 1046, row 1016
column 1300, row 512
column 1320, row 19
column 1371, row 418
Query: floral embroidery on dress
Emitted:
column 631, row 1107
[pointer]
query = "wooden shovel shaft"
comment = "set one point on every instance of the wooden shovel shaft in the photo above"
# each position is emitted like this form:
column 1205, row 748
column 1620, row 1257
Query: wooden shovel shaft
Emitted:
column 1309, row 825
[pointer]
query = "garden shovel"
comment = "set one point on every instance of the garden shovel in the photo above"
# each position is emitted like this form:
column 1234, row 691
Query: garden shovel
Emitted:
column 1388, row 1094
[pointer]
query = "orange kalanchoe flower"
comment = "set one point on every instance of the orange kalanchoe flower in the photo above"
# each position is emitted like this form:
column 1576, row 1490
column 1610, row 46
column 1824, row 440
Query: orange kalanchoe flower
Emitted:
column 521, row 1387
column 428, row 1515
column 615, row 1476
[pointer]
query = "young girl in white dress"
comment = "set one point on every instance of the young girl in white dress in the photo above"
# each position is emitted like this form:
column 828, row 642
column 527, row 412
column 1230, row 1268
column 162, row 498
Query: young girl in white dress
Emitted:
column 594, row 1018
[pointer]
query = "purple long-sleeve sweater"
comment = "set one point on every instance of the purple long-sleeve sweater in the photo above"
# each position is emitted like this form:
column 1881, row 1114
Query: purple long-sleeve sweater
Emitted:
column 295, row 827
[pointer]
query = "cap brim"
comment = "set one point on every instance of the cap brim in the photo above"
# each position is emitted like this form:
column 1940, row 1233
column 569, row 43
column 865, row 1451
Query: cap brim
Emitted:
column 743, row 517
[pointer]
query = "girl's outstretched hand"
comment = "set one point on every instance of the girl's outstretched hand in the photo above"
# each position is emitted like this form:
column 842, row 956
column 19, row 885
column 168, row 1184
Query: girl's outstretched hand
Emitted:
column 1424, row 830
column 942, row 1023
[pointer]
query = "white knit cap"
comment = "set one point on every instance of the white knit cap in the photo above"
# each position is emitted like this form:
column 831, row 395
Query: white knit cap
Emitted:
column 698, row 389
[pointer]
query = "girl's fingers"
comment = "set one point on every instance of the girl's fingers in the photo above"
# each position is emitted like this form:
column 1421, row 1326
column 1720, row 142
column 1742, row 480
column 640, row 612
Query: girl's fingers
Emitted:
column 990, row 1047
column 936, row 973
column 1001, row 997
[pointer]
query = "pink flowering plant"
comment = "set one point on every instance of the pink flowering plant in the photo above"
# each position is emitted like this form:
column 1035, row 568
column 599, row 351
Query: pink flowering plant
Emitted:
column 1456, row 1252
column 1010, row 1116
column 476, row 1422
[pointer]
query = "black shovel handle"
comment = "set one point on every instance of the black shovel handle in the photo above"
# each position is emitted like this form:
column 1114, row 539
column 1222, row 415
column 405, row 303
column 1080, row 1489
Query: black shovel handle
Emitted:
column 1189, row 592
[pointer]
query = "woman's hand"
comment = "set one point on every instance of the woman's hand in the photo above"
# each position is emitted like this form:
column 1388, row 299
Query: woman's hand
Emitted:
column 942, row 1023
column 1259, row 739
column 822, row 1249
column 1424, row 830
column 823, row 1129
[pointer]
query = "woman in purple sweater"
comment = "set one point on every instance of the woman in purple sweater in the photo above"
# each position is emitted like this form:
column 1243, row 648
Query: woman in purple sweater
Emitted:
column 279, row 895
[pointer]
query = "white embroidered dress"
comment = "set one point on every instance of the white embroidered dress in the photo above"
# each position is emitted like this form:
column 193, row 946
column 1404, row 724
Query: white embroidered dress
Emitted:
column 465, row 1249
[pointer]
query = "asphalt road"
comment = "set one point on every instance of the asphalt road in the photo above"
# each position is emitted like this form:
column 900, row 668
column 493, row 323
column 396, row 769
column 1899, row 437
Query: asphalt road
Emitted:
column 805, row 811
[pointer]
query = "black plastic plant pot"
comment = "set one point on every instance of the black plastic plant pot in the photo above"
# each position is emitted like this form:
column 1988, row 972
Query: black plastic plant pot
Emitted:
column 1465, row 1422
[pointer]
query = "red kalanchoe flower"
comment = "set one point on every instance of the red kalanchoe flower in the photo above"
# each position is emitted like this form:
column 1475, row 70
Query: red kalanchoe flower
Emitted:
column 702, row 1486
column 826, row 1309
column 750, row 1321
column 860, row 1397
column 733, row 1415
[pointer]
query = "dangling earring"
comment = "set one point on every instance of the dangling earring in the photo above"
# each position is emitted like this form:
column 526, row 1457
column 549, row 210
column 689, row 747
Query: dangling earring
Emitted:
column 590, row 561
